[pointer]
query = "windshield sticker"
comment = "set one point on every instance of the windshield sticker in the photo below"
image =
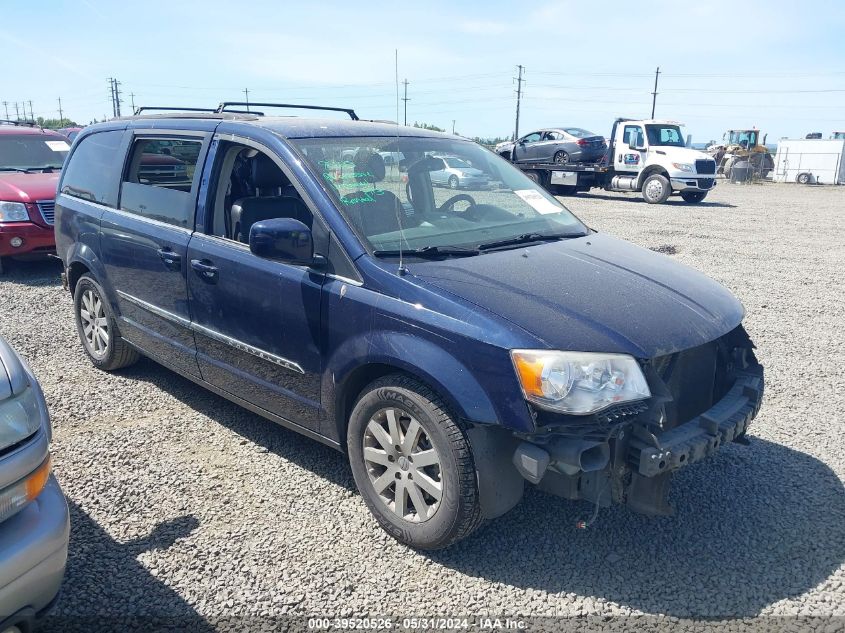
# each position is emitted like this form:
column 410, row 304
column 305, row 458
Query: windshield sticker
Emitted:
column 537, row 201
column 57, row 146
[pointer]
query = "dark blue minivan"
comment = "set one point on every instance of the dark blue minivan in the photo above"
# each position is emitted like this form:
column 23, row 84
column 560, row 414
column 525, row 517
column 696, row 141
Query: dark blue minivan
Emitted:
column 454, row 345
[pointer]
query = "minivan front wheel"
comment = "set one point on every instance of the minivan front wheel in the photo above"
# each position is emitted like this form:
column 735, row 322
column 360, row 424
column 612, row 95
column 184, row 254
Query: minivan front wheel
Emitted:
column 413, row 464
column 97, row 327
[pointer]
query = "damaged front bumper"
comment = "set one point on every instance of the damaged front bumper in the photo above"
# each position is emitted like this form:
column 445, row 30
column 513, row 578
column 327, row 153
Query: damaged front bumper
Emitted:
column 633, row 464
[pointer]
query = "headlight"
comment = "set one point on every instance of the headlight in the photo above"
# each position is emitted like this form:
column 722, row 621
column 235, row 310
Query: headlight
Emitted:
column 13, row 212
column 18, row 495
column 684, row 167
column 19, row 418
column 578, row 383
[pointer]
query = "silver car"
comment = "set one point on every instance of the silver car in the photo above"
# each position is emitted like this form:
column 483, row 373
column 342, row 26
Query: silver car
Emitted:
column 34, row 521
column 555, row 145
column 456, row 173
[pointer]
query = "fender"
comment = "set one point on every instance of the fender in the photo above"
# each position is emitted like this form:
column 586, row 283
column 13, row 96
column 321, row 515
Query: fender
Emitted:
column 81, row 253
column 413, row 355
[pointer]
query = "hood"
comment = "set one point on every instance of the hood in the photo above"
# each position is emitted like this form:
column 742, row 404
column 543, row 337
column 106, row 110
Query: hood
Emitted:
column 595, row 293
column 18, row 187
column 682, row 154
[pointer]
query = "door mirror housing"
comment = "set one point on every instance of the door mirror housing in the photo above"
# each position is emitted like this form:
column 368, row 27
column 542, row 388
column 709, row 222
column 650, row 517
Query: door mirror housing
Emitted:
column 634, row 146
column 283, row 239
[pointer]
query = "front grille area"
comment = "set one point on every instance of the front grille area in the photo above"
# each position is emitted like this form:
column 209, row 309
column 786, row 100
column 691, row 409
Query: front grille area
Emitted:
column 705, row 183
column 697, row 378
column 705, row 166
column 47, row 209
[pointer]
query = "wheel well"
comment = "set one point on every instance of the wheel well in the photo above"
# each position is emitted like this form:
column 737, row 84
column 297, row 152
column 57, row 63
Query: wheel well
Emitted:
column 653, row 169
column 74, row 272
column 360, row 378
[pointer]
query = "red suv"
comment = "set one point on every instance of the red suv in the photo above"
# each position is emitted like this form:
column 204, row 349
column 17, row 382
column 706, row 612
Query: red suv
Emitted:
column 30, row 162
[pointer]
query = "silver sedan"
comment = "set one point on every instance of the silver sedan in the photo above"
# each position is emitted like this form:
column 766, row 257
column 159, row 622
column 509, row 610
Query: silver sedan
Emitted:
column 555, row 145
column 34, row 523
column 456, row 173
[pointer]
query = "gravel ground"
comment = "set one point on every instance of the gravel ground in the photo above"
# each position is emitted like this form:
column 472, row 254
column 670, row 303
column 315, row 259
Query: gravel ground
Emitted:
column 186, row 506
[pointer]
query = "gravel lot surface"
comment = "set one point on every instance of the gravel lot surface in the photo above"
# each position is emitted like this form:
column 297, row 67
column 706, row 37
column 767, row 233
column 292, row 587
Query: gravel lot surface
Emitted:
column 184, row 505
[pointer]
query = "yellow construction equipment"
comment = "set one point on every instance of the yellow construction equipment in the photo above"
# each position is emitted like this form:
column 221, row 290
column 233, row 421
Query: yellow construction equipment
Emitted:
column 740, row 147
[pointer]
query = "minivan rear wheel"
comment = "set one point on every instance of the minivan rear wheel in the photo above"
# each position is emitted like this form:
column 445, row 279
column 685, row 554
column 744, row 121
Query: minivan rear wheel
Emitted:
column 413, row 464
column 97, row 327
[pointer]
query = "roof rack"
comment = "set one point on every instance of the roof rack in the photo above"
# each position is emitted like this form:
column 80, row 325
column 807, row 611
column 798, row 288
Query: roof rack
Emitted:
column 223, row 107
column 19, row 122
column 141, row 109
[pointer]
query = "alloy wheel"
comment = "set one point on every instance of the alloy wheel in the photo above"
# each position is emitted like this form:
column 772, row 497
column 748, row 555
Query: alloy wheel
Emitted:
column 402, row 464
column 95, row 325
column 654, row 189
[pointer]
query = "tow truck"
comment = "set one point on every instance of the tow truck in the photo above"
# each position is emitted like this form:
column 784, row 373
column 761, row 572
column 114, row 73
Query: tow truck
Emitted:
column 645, row 155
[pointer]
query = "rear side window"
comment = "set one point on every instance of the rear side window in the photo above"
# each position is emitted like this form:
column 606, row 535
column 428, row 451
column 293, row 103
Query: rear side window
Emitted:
column 160, row 179
column 92, row 172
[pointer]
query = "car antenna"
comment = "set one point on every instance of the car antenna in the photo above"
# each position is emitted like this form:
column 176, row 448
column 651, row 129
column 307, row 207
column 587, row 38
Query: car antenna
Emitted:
column 399, row 208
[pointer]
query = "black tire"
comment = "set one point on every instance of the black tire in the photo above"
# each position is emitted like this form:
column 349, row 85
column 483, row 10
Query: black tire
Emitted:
column 533, row 176
column 561, row 157
column 453, row 182
column 654, row 194
column 458, row 512
column 803, row 178
column 116, row 353
column 3, row 265
column 693, row 197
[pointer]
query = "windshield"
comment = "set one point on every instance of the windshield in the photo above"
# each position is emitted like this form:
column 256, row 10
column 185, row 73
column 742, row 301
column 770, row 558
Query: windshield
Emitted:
column 578, row 132
column 665, row 135
column 457, row 162
column 417, row 204
column 31, row 151
column 745, row 138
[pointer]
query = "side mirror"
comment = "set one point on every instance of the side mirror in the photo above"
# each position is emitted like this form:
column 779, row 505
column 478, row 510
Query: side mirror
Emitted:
column 521, row 141
column 283, row 239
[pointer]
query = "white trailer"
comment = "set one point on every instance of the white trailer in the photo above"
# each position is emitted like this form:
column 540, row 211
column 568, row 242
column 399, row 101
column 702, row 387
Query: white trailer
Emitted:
column 809, row 161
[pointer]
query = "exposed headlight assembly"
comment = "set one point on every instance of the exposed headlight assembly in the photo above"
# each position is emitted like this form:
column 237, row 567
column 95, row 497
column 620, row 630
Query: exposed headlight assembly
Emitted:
column 20, row 417
column 13, row 212
column 578, row 383
column 684, row 167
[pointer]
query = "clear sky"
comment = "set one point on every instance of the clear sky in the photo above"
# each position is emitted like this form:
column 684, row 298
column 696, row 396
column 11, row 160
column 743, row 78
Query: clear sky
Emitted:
column 777, row 65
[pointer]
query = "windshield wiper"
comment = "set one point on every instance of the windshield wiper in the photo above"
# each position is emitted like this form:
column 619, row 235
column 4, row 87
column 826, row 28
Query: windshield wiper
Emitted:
column 20, row 169
column 429, row 251
column 526, row 238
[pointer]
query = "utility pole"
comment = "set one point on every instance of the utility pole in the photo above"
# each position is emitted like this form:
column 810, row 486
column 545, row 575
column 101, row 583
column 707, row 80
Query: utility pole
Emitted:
column 17, row 112
column 61, row 115
column 6, row 106
column 518, row 99
column 453, row 126
column 31, row 113
column 111, row 93
column 117, row 96
column 246, row 94
column 654, row 94
column 405, row 99
column 132, row 98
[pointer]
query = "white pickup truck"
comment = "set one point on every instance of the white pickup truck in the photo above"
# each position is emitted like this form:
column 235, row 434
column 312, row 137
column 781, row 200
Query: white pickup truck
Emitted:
column 648, row 156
